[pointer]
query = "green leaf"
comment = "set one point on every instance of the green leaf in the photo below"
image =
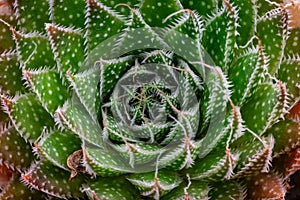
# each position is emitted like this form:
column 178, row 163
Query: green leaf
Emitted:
column 259, row 108
column 6, row 39
column 34, row 50
column 101, row 30
column 192, row 190
column 68, row 13
column 17, row 190
column 52, row 180
column 155, row 185
column 203, row 8
column 273, row 37
column 75, row 118
column 48, row 87
column 14, row 151
column 32, row 15
column 56, row 146
column 219, row 36
column 117, row 5
column 215, row 166
column 154, row 12
column 138, row 35
column 241, row 71
column 255, row 154
column 86, row 87
column 289, row 73
column 28, row 115
column 68, row 47
column 227, row 190
column 286, row 134
column 111, row 188
column 293, row 43
column 10, row 75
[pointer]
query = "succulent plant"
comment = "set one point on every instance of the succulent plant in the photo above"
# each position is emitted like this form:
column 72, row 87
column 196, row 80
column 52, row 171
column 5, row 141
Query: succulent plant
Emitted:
column 148, row 99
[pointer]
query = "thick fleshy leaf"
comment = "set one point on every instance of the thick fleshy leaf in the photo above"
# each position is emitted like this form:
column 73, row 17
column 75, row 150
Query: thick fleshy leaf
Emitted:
column 289, row 73
column 75, row 118
column 204, row 7
column 227, row 190
column 219, row 36
column 286, row 134
column 154, row 12
column 34, row 50
column 138, row 35
column 98, row 30
column 6, row 38
column 273, row 36
column 14, row 151
column 28, row 115
column 255, row 154
column 48, row 87
column 86, row 87
column 240, row 73
column 52, row 180
column 10, row 74
column 68, row 13
column 260, row 107
column 266, row 186
column 17, row 190
column 155, row 185
column 119, row 5
column 32, row 15
column 293, row 43
column 68, row 47
column 56, row 146
column 111, row 188
column 191, row 190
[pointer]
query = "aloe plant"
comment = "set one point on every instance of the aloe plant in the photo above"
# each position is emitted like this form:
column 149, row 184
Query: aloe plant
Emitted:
column 148, row 99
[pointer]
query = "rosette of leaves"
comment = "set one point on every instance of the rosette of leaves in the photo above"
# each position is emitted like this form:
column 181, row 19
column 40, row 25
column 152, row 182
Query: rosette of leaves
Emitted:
column 148, row 99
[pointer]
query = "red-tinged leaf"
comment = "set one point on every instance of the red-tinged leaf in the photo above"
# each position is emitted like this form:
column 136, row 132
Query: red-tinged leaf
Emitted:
column 14, row 151
column 52, row 180
column 32, row 15
column 267, row 186
column 287, row 164
column 6, row 175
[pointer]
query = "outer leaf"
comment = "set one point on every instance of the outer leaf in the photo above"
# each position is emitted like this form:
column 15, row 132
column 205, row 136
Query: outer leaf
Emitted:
column 34, row 50
column 111, row 188
column 51, row 180
column 219, row 36
column 68, row 13
column 56, row 146
column 75, row 118
column 17, row 190
column 154, row 12
column 38, row 117
column 204, row 7
column 10, row 74
column 273, row 36
column 100, row 30
column 68, row 47
column 293, row 43
column 32, row 15
column 193, row 190
column 14, row 151
column 227, row 190
column 6, row 39
column 48, row 87
column 155, row 185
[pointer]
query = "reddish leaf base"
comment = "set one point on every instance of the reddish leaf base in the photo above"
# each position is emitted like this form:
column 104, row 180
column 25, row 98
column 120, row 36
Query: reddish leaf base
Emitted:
column 288, row 164
column 266, row 186
column 5, row 175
